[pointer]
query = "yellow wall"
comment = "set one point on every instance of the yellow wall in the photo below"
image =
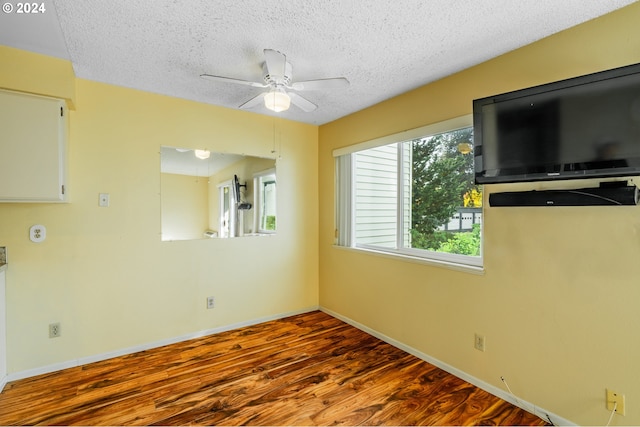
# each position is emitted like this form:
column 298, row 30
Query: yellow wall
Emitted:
column 44, row 75
column 559, row 299
column 184, row 206
column 104, row 272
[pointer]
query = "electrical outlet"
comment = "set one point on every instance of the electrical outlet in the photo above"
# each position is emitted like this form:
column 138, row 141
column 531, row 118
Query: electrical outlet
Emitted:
column 54, row 330
column 479, row 343
column 38, row 233
column 211, row 302
column 614, row 398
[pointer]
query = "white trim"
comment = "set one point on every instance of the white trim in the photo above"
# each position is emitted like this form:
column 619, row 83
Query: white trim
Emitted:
column 258, row 202
column 270, row 171
column 407, row 135
column 400, row 222
column 398, row 256
column 230, row 229
column 3, row 382
column 129, row 350
column 529, row 407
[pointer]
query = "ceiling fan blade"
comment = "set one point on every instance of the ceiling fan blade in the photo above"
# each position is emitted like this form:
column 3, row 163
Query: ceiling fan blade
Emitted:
column 230, row 80
column 302, row 103
column 276, row 63
column 253, row 101
column 321, row 84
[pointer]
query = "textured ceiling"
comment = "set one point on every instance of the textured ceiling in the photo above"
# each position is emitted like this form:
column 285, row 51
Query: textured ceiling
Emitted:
column 383, row 48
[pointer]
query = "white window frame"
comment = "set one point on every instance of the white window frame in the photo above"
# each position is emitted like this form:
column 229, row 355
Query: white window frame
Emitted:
column 345, row 203
column 229, row 229
column 258, row 201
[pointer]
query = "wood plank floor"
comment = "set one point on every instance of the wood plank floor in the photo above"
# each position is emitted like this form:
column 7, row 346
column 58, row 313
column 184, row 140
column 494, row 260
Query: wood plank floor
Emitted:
column 309, row 369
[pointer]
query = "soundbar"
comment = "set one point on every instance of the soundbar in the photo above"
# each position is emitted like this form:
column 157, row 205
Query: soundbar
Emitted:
column 598, row 196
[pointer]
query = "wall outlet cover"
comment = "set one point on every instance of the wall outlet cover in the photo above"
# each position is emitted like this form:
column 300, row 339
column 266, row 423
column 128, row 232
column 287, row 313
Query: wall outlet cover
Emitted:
column 479, row 342
column 54, row 330
column 37, row 233
column 615, row 400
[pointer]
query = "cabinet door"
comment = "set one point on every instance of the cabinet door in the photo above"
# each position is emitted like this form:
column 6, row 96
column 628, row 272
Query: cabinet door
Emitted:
column 32, row 148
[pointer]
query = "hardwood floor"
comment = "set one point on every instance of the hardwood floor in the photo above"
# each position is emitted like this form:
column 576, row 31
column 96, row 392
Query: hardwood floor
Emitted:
column 309, row 369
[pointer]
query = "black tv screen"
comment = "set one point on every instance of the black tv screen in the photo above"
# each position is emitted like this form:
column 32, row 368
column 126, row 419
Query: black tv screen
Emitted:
column 584, row 127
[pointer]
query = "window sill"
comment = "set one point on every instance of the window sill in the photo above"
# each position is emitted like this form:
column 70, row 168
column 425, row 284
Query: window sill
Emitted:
column 417, row 260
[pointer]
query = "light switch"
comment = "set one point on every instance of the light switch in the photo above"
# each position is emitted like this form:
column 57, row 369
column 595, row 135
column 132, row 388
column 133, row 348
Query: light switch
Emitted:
column 37, row 233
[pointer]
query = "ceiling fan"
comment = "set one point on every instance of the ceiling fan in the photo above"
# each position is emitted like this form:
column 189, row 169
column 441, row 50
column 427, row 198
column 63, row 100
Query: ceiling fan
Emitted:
column 277, row 76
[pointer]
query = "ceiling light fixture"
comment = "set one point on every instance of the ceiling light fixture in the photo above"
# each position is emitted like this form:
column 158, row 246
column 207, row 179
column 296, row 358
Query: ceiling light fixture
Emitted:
column 202, row 154
column 277, row 100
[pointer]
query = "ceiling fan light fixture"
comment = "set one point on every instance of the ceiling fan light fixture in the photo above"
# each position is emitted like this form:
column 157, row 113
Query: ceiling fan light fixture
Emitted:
column 277, row 101
column 202, row 154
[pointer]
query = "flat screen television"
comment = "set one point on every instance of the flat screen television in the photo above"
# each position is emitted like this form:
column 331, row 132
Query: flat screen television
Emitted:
column 238, row 196
column 584, row 127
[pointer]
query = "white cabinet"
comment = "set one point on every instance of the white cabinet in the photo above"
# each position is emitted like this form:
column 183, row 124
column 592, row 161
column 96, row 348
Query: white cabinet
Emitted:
column 33, row 136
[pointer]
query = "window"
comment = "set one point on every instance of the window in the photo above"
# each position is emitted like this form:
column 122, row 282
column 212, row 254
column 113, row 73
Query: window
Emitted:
column 228, row 211
column 265, row 184
column 413, row 197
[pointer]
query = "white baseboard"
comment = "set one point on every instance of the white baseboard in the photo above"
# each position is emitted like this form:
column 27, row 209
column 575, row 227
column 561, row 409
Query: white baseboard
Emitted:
column 122, row 352
column 3, row 382
column 529, row 407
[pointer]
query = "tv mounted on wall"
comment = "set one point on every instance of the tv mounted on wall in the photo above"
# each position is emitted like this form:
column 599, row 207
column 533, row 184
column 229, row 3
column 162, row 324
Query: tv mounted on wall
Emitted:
column 584, row 127
column 238, row 196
